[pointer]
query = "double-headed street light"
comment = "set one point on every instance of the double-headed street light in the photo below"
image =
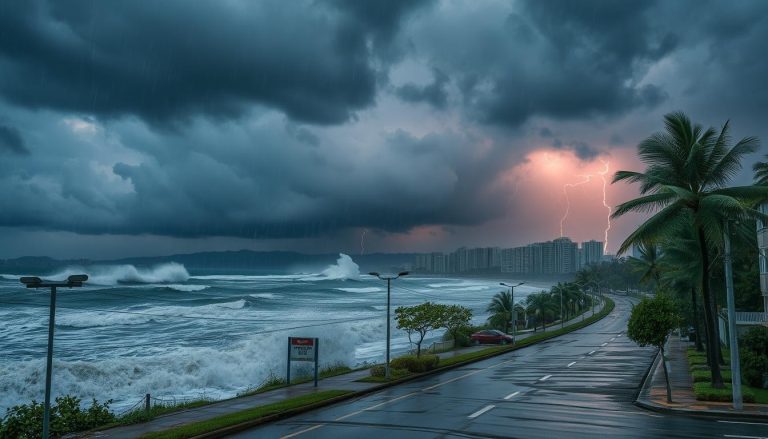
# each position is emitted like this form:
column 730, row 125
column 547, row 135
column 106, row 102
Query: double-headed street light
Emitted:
column 514, row 311
column 388, row 278
column 75, row 280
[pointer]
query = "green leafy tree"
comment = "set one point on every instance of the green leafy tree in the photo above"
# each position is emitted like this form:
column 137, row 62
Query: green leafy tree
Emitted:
column 418, row 320
column 500, row 310
column 753, row 350
column 688, row 169
column 543, row 305
column 455, row 318
column 651, row 322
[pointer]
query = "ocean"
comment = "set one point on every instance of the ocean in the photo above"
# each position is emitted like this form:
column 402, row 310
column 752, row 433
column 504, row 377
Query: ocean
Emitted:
column 177, row 335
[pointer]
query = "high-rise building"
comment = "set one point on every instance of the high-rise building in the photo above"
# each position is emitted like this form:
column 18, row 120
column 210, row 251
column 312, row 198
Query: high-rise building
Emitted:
column 762, row 244
column 593, row 252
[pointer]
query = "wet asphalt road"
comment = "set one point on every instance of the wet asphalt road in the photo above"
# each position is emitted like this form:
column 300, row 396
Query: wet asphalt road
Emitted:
column 580, row 385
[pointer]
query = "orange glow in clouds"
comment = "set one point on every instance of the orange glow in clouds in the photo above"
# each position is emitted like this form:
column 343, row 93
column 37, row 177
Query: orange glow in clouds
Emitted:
column 558, row 182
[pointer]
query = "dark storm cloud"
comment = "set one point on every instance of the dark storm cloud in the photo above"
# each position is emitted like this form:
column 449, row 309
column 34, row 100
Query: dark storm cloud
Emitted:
column 170, row 60
column 284, row 110
column 11, row 141
column 558, row 59
column 434, row 94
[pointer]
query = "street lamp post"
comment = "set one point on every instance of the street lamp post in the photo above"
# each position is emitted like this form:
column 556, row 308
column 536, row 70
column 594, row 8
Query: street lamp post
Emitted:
column 389, row 279
column 35, row 282
column 732, row 336
column 514, row 311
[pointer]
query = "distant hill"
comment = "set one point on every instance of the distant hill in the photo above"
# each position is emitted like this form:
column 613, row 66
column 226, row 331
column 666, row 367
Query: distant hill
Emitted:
column 274, row 262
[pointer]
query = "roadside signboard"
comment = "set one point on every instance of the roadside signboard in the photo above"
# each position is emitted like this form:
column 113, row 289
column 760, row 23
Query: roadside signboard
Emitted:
column 302, row 349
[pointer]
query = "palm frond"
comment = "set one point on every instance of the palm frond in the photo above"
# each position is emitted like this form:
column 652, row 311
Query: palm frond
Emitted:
column 645, row 204
column 656, row 226
column 730, row 164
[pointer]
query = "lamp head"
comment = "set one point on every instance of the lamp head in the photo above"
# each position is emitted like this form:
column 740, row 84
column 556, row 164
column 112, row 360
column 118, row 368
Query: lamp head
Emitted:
column 403, row 273
column 31, row 281
column 77, row 279
column 374, row 273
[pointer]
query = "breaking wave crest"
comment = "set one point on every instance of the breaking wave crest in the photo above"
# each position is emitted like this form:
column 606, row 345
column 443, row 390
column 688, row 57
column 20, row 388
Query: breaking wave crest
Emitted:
column 170, row 272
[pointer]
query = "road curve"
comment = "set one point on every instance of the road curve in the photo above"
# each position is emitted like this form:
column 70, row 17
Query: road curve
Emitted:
column 579, row 385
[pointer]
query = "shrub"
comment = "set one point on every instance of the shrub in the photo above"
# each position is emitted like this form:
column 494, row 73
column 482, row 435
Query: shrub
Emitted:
column 377, row 371
column 67, row 415
column 704, row 375
column 705, row 392
column 753, row 350
column 415, row 364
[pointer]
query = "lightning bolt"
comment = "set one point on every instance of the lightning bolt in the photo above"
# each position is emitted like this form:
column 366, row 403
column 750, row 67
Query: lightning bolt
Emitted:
column 362, row 242
column 605, row 202
column 587, row 179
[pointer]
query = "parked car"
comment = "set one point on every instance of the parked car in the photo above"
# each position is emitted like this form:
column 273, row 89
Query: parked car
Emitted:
column 490, row 336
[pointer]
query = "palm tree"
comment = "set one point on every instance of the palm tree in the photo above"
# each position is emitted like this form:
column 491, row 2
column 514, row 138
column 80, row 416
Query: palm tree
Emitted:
column 761, row 172
column 543, row 305
column 501, row 310
column 682, row 272
column 687, row 171
column 647, row 264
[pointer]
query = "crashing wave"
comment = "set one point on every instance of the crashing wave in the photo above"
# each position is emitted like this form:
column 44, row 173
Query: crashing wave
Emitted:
column 170, row 272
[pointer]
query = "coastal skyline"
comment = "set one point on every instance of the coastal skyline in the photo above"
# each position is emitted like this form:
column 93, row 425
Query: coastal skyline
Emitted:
column 326, row 127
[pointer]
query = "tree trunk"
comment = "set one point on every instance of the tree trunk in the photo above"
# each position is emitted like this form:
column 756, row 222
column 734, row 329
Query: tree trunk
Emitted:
column 713, row 344
column 696, row 321
column 666, row 375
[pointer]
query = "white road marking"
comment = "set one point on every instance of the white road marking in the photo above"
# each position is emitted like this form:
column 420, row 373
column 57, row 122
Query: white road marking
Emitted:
column 341, row 418
column 748, row 423
column 592, row 352
column 614, row 338
column 545, row 377
column 571, row 364
column 511, row 395
column 604, row 344
column 481, row 411
column 744, row 437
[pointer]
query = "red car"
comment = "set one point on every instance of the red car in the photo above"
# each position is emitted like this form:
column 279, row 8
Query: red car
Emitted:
column 490, row 336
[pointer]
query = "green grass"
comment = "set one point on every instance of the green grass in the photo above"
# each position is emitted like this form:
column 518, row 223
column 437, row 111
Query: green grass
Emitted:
column 219, row 422
column 704, row 375
column 705, row 392
column 274, row 382
column 396, row 375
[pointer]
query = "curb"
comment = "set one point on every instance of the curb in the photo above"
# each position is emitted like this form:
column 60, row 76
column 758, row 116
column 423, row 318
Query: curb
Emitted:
column 232, row 429
column 658, row 408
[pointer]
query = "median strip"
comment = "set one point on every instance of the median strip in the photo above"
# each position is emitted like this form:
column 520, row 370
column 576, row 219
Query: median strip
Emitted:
column 481, row 411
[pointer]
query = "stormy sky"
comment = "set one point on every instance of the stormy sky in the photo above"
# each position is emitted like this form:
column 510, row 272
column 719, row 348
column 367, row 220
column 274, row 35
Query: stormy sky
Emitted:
column 150, row 128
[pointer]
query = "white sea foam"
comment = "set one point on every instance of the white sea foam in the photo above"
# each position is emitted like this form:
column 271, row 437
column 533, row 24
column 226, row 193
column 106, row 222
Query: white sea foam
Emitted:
column 217, row 372
column 245, row 277
column 186, row 288
column 360, row 290
column 345, row 268
column 133, row 316
column 263, row 296
column 171, row 272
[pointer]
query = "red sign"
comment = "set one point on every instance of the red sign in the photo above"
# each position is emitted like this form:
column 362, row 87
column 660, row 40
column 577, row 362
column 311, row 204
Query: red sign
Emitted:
column 302, row 349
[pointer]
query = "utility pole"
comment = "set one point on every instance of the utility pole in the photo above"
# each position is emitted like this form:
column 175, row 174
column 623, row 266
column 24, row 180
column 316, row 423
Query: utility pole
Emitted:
column 514, row 311
column 388, row 278
column 35, row 282
column 733, row 342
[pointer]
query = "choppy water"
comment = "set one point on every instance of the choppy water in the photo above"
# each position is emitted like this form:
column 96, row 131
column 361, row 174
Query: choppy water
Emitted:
column 166, row 332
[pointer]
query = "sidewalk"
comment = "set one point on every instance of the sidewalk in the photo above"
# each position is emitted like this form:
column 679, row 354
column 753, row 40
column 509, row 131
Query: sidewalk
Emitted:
column 340, row 382
column 653, row 395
